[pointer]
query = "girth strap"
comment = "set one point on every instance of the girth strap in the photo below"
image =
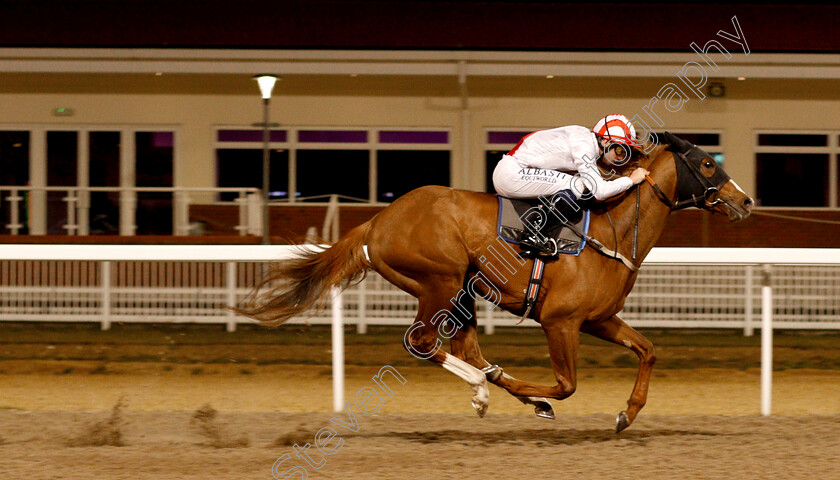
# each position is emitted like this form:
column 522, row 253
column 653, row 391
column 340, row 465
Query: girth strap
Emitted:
column 533, row 290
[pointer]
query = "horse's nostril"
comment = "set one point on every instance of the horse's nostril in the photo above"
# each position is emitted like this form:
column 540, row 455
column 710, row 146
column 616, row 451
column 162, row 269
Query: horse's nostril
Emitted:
column 748, row 202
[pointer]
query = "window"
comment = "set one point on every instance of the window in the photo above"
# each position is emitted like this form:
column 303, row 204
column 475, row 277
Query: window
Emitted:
column 239, row 162
column 710, row 142
column 77, row 161
column 62, row 168
column 499, row 142
column 332, row 162
column 792, row 140
column 409, row 159
column 792, row 179
column 491, row 158
column 240, row 167
column 401, row 171
column 14, row 157
column 796, row 169
column 14, row 170
column 321, row 173
column 359, row 164
column 104, row 168
column 154, row 153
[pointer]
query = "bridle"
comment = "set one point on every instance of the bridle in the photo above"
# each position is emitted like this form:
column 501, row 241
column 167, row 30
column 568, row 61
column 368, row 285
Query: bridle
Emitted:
column 693, row 190
column 688, row 194
column 689, row 178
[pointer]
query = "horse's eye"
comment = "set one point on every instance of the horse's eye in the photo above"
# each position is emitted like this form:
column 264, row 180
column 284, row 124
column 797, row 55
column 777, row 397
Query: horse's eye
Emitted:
column 708, row 164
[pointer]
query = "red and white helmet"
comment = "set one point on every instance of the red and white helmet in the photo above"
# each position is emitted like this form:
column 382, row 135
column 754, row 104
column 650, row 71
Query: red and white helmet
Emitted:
column 616, row 128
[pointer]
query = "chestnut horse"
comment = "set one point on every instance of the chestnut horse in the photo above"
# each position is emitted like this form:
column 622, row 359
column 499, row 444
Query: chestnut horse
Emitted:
column 441, row 246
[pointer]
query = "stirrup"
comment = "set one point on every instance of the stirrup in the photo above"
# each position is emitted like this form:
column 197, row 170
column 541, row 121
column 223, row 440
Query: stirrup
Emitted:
column 548, row 248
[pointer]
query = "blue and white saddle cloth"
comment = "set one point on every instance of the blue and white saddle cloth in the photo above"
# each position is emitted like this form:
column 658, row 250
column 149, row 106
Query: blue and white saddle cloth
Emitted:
column 549, row 221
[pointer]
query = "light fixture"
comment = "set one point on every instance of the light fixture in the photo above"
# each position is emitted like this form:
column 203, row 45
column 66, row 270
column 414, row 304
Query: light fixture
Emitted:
column 266, row 83
column 742, row 78
column 549, row 76
column 717, row 89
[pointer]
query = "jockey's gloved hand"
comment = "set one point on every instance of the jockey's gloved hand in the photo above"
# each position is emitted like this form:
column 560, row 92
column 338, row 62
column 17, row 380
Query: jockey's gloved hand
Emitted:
column 638, row 175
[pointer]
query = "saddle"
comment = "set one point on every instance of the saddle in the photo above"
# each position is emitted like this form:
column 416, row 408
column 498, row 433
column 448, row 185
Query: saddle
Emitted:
column 521, row 218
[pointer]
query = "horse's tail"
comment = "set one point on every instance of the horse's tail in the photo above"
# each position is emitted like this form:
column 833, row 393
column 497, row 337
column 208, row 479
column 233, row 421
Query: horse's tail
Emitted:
column 296, row 285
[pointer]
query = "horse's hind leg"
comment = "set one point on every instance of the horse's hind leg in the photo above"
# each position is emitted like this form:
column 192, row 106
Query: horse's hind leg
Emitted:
column 615, row 330
column 464, row 345
column 422, row 341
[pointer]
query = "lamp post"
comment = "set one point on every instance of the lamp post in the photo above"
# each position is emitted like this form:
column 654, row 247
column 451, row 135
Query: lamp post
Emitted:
column 266, row 84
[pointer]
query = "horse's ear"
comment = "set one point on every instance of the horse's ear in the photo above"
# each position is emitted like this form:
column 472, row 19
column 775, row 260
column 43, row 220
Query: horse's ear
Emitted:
column 675, row 143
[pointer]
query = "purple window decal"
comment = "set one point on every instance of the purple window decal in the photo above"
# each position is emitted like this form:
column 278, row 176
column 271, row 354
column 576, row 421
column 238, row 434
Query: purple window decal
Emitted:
column 249, row 136
column 395, row 136
column 333, row 136
column 505, row 138
column 163, row 139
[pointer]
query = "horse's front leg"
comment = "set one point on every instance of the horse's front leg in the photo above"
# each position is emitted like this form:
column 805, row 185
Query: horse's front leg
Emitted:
column 615, row 330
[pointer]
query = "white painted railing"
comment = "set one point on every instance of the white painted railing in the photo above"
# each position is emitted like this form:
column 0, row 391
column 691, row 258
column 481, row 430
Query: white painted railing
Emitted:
column 77, row 207
column 677, row 287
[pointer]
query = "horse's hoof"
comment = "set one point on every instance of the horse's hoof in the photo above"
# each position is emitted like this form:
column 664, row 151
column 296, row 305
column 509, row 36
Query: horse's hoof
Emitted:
column 480, row 407
column 621, row 422
column 544, row 410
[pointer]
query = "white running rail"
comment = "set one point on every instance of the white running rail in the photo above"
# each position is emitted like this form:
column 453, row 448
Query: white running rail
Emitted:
column 677, row 287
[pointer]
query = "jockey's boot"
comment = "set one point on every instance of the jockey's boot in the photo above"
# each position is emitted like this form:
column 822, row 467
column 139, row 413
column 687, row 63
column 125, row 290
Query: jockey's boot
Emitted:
column 539, row 245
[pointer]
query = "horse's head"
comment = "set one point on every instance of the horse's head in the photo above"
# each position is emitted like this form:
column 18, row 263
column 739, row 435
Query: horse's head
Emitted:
column 702, row 183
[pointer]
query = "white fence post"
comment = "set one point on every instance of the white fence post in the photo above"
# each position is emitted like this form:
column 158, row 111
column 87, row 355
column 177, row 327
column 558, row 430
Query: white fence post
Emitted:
column 337, row 351
column 766, row 340
column 489, row 322
column 128, row 212
column 181, row 216
column 230, row 285
column 106, row 294
column 254, row 214
column 71, row 226
column 83, row 211
column 748, row 302
column 14, row 199
column 361, row 321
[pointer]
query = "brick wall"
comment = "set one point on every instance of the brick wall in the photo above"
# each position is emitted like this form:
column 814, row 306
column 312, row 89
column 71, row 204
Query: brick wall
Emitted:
column 287, row 222
column 697, row 228
column 687, row 228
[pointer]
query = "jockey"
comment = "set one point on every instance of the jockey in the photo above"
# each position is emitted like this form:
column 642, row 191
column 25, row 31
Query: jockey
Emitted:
column 565, row 158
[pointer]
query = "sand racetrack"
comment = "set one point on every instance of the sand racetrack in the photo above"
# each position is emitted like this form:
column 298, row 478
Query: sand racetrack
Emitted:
column 167, row 445
column 91, row 406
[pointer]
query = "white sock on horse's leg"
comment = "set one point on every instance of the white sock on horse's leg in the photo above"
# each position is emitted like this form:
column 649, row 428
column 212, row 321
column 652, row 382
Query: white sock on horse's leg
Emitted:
column 474, row 377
